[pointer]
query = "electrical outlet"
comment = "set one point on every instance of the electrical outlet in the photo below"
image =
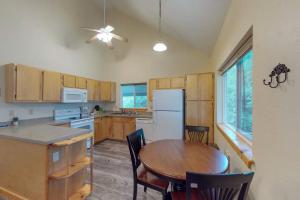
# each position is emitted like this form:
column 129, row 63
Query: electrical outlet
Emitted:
column 55, row 156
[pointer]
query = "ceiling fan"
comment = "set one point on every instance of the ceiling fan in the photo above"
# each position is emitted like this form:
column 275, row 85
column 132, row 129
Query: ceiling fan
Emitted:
column 105, row 34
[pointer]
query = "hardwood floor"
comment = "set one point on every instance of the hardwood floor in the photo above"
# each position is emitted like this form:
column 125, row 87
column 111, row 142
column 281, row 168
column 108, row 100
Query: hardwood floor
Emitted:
column 113, row 174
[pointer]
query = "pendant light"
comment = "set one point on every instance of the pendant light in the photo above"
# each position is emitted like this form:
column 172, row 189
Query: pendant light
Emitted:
column 160, row 46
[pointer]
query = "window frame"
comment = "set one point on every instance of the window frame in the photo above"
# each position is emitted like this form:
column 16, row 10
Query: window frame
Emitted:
column 134, row 101
column 236, row 129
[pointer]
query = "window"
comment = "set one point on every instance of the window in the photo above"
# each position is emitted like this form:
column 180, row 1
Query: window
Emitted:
column 134, row 95
column 237, row 95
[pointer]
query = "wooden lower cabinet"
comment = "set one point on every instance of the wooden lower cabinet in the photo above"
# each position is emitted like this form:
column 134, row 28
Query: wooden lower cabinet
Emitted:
column 201, row 113
column 117, row 129
column 122, row 126
column 53, row 172
column 129, row 127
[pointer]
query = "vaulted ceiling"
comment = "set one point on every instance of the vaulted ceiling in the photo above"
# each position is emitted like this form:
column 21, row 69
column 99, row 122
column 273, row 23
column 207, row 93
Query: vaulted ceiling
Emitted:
column 197, row 22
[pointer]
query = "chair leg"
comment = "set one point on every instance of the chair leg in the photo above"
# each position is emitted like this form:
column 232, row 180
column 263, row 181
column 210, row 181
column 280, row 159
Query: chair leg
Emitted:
column 165, row 196
column 145, row 189
column 134, row 190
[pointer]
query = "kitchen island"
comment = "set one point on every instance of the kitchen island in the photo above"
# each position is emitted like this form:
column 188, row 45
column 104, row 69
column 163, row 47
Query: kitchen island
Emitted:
column 41, row 161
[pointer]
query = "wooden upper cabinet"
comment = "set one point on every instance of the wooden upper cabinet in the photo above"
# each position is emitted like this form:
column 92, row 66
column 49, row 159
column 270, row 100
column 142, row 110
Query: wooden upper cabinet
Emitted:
column 23, row 83
column 93, row 89
column 113, row 91
column 206, row 86
column 192, row 87
column 105, row 91
column 152, row 86
column 69, row 81
column 51, row 86
column 200, row 87
column 80, row 83
column 164, row 83
column 178, row 83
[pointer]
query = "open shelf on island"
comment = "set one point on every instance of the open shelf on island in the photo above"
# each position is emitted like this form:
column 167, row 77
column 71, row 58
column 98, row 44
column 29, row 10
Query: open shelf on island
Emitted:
column 73, row 140
column 74, row 168
column 82, row 193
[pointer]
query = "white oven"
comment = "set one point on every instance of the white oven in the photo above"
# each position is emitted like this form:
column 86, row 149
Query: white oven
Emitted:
column 73, row 95
column 85, row 123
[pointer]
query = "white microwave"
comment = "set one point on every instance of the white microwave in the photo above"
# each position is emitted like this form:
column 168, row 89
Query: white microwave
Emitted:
column 73, row 95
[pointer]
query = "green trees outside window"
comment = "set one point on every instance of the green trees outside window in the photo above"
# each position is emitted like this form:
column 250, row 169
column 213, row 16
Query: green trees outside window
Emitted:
column 238, row 95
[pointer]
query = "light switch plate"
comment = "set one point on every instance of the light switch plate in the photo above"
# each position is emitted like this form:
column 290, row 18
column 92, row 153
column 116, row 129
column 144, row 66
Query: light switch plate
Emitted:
column 55, row 156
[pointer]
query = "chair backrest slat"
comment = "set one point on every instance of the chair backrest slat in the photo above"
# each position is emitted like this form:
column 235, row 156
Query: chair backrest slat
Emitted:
column 198, row 133
column 218, row 187
column 136, row 141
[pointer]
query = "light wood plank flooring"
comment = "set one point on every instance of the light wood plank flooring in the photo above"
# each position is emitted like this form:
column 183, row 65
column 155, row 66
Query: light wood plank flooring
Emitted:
column 113, row 174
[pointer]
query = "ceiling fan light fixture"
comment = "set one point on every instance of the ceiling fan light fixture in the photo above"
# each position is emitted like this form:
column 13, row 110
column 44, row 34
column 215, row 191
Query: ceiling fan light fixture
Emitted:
column 160, row 47
column 104, row 37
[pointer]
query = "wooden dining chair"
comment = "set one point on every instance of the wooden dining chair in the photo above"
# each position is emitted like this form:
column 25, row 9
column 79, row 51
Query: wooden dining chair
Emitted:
column 136, row 141
column 215, row 187
column 197, row 133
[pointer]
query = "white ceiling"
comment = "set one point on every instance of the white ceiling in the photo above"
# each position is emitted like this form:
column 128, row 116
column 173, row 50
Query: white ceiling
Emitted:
column 197, row 22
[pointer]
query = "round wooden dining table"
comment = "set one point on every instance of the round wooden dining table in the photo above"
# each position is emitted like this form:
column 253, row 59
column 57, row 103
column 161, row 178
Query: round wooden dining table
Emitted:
column 171, row 159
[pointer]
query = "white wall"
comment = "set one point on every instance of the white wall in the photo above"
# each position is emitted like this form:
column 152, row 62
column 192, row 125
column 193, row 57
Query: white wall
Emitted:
column 46, row 34
column 276, row 111
column 137, row 62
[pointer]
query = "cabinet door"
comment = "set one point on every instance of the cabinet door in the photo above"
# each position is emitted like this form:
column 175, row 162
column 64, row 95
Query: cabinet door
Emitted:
column 152, row 86
column 29, row 82
column 97, row 130
column 117, row 130
column 80, row 83
column 164, row 83
column 129, row 127
column 206, row 86
column 105, row 91
column 92, row 87
column 51, row 86
column 106, row 125
column 69, row 81
column 205, row 113
column 192, row 113
column 192, row 87
column 178, row 83
column 113, row 90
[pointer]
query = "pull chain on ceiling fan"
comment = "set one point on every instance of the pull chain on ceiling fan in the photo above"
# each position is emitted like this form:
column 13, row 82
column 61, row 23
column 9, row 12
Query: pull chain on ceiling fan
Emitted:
column 105, row 34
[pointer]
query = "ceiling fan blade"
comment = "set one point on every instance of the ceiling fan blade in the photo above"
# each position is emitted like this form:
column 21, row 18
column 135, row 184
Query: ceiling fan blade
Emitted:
column 119, row 37
column 90, row 29
column 110, row 45
column 91, row 39
column 109, row 28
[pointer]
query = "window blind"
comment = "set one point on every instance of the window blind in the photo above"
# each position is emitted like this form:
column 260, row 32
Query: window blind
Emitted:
column 241, row 49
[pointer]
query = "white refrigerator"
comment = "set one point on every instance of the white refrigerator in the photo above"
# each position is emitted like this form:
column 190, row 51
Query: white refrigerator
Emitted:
column 168, row 114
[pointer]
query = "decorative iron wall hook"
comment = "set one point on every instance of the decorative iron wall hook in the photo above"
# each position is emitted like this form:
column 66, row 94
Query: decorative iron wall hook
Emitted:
column 276, row 73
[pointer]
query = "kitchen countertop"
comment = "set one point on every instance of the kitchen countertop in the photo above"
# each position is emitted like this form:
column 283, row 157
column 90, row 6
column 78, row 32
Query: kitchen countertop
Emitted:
column 43, row 131
column 117, row 114
column 47, row 131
